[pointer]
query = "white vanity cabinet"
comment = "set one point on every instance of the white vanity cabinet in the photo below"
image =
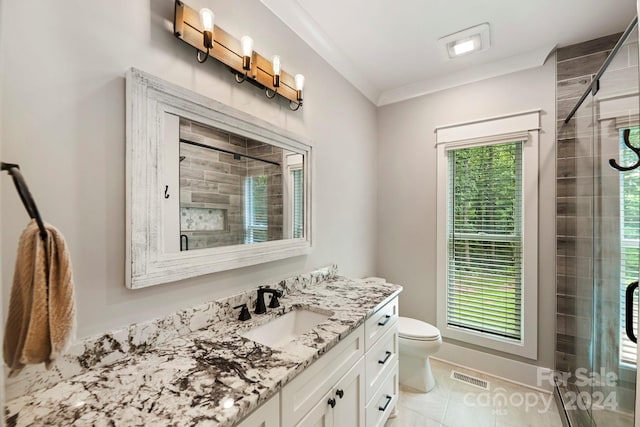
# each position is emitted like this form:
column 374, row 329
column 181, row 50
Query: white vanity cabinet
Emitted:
column 267, row 415
column 320, row 415
column 383, row 320
column 311, row 399
column 381, row 364
column 343, row 405
column 350, row 399
column 384, row 400
column 354, row 385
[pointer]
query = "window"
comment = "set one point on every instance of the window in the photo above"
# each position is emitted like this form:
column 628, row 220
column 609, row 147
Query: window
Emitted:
column 484, row 239
column 629, row 238
column 256, row 203
column 487, row 233
column 297, row 207
column 295, row 216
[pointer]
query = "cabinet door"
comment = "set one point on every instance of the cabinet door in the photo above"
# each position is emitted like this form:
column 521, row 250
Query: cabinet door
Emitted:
column 321, row 415
column 267, row 415
column 310, row 387
column 350, row 408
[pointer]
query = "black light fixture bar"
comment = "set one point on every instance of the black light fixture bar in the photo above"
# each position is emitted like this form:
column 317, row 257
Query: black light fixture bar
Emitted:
column 222, row 150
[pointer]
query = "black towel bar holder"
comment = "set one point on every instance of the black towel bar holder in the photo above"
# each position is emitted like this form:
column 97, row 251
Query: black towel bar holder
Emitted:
column 25, row 195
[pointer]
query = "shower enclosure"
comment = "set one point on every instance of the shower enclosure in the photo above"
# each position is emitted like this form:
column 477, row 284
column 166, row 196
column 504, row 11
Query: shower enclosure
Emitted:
column 599, row 386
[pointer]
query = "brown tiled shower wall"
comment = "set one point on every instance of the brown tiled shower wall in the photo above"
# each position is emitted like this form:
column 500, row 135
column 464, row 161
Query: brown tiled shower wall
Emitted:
column 576, row 67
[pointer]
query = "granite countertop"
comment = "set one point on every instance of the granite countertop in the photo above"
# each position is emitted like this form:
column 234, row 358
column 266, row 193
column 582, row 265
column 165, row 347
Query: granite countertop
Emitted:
column 210, row 377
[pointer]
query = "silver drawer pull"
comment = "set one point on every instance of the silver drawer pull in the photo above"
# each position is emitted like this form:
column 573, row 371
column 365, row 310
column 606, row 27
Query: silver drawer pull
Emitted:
column 386, row 320
column 383, row 361
column 384, row 408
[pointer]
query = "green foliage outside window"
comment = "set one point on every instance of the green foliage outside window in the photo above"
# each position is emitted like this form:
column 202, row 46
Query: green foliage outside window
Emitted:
column 485, row 239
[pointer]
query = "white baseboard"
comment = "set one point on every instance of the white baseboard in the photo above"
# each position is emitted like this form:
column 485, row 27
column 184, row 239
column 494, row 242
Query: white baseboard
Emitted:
column 502, row 368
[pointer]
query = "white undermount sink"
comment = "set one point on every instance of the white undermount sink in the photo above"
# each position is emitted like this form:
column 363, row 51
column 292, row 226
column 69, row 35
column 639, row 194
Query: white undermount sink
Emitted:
column 284, row 329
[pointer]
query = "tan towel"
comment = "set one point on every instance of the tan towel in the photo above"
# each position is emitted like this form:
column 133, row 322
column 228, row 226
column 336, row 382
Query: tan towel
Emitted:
column 41, row 320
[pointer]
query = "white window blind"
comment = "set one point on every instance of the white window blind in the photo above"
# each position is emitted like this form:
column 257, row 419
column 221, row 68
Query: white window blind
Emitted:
column 629, row 240
column 256, row 205
column 298, row 203
column 485, row 239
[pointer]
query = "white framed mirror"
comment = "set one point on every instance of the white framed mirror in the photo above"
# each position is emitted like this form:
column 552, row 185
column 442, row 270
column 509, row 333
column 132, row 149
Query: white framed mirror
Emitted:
column 209, row 188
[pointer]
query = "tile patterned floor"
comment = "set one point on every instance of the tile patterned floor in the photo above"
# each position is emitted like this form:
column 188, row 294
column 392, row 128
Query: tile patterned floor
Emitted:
column 455, row 404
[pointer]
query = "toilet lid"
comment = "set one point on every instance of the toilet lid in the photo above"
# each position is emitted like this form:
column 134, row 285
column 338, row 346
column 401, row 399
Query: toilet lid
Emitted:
column 416, row 329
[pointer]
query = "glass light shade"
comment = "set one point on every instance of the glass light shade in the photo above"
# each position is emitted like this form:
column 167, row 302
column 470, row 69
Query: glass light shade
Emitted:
column 299, row 82
column 464, row 47
column 207, row 19
column 247, row 45
column 275, row 62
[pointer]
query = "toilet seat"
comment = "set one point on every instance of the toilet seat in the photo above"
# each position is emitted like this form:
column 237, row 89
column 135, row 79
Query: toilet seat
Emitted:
column 417, row 330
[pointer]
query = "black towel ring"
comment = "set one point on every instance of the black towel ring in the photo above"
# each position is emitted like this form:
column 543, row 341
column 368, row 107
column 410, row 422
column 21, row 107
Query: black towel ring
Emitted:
column 28, row 202
column 615, row 164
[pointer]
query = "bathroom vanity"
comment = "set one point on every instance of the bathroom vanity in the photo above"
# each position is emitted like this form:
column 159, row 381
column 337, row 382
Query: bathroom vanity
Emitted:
column 354, row 384
column 344, row 371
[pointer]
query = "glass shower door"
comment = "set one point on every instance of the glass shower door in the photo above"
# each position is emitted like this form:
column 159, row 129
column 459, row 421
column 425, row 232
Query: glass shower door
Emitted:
column 616, row 239
column 601, row 390
column 577, row 397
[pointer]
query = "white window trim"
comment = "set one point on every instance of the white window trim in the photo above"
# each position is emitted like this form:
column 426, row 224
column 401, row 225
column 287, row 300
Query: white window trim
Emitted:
column 293, row 162
column 292, row 207
column 525, row 126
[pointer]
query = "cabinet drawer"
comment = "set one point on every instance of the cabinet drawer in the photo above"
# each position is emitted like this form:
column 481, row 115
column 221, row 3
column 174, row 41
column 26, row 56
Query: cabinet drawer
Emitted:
column 304, row 391
column 384, row 400
column 382, row 357
column 380, row 322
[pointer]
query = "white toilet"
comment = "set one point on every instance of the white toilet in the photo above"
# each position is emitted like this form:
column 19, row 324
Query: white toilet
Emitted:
column 417, row 341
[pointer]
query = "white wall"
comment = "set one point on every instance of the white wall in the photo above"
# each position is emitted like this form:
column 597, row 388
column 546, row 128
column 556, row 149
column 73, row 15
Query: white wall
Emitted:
column 64, row 115
column 407, row 187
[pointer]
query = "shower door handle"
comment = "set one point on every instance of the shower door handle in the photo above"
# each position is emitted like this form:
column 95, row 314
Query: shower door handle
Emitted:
column 628, row 311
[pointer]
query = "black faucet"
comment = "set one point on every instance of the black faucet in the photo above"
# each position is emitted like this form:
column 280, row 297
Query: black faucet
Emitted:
column 275, row 294
column 244, row 313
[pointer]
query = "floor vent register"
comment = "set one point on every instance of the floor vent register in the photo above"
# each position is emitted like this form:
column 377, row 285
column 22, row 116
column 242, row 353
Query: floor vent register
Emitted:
column 468, row 379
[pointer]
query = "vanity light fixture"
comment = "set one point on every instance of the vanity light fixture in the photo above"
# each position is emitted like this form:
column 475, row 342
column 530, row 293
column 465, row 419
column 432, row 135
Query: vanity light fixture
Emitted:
column 299, row 88
column 275, row 65
column 246, row 44
column 207, row 19
column 198, row 30
column 247, row 50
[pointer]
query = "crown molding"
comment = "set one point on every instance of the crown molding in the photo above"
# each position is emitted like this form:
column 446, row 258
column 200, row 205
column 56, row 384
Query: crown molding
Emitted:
column 300, row 22
column 532, row 59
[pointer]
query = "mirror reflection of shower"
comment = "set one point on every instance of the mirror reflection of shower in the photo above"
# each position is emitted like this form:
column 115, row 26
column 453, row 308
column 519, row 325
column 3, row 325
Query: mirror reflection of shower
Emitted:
column 235, row 190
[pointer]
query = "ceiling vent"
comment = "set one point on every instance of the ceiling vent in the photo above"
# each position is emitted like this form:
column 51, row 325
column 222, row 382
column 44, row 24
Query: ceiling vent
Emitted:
column 474, row 39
